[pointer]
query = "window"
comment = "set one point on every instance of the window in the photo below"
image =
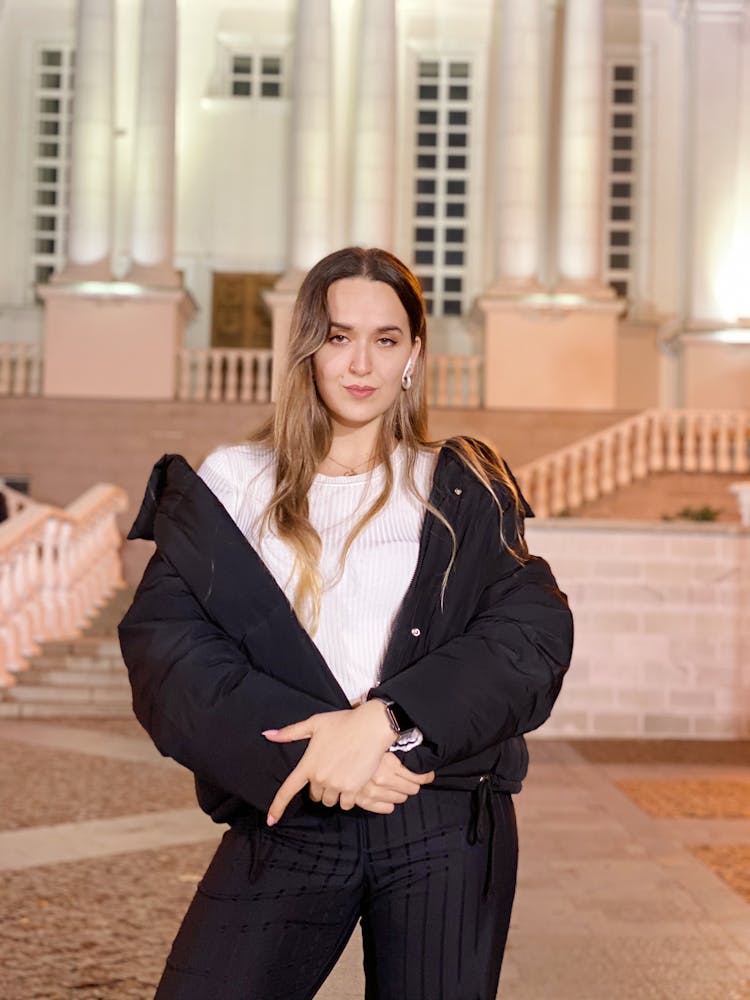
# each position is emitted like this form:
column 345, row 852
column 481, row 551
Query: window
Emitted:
column 53, row 115
column 257, row 75
column 441, row 181
column 621, row 189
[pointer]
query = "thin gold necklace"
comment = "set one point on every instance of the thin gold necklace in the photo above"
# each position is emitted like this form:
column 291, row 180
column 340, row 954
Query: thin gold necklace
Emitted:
column 350, row 470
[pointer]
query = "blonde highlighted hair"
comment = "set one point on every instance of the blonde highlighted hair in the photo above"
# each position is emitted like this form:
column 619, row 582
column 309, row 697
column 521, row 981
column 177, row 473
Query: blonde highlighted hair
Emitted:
column 299, row 431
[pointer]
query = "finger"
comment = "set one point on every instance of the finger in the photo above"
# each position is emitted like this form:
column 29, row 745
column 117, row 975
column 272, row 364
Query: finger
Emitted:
column 347, row 801
column 297, row 731
column 405, row 786
column 399, row 768
column 330, row 798
column 383, row 808
column 316, row 791
column 400, row 777
column 385, row 795
column 423, row 779
column 294, row 783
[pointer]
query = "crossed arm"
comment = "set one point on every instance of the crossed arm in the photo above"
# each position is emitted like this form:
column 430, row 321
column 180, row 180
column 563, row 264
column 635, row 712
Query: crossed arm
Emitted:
column 346, row 762
column 207, row 706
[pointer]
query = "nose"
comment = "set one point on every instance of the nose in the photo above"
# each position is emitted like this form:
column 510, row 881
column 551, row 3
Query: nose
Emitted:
column 360, row 362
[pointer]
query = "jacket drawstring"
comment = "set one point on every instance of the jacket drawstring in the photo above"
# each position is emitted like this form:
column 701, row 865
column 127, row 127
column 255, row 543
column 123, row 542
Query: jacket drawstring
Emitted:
column 483, row 825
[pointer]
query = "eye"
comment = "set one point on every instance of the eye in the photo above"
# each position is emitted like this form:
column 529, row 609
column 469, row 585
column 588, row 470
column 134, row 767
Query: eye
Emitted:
column 387, row 340
column 336, row 338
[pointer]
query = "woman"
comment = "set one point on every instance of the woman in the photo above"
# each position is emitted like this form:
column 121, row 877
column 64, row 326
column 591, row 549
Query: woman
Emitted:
column 343, row 636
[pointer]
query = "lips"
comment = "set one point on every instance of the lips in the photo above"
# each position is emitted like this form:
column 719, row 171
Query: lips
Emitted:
column 360, row 391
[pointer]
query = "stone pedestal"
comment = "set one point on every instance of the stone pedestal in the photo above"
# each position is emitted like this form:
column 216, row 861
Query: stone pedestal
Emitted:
column 112, row 340
column 714, row 369
column 546, row 352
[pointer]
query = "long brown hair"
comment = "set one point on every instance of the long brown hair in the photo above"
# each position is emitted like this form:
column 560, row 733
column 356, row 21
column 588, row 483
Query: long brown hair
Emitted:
column 299, row 431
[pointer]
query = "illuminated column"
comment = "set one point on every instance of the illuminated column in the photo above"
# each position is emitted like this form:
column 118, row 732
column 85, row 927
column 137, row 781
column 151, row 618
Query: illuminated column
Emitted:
column 310, row 154
column 518, row 148
column 153, row 185
column 375, row 127
column 579, row 243
column 90, row 226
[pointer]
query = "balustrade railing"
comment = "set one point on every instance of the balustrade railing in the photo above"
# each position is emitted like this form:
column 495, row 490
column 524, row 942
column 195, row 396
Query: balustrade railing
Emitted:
column 20, row 369
column 454, row 380
column 235, row 375
column 227, row 375
column 57, row 567
column 652, row 441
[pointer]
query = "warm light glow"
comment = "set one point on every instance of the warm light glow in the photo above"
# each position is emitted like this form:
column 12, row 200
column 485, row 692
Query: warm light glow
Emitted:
column 554, row 299
column 111, row 288
column 732, row 281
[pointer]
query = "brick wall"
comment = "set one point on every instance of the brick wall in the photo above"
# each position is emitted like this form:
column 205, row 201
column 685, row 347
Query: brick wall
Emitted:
column 662, row 618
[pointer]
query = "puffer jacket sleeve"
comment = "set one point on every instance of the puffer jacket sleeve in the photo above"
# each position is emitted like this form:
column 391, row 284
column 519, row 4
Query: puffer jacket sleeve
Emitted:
column 199, row 696
column 497, row 679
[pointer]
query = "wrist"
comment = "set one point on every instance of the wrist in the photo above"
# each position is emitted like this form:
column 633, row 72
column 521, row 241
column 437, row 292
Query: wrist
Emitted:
column 381, row 719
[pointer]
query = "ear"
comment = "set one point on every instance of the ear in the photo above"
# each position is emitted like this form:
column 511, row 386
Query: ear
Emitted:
column 415, row 349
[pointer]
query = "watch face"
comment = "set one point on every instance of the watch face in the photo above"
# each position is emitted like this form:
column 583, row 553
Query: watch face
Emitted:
column 402, row 720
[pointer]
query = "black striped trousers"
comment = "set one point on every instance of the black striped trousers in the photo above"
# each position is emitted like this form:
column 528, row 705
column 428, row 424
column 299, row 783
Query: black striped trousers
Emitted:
column 432, row 885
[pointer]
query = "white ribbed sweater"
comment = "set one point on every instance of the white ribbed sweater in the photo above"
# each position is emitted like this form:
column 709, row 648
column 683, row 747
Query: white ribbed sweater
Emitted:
column 359, row 604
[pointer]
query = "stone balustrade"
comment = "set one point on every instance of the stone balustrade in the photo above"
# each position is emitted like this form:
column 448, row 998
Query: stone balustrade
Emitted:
column 652, row 441
column 20, row 369
column 454, row 380
column 228, row 375
column 56, row 568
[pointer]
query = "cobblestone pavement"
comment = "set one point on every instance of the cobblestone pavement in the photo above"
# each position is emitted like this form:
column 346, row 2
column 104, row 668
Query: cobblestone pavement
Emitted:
column 101, row 847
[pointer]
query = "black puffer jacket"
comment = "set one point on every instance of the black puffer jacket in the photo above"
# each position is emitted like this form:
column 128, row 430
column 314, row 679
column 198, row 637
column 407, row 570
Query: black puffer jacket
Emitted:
column 216, row 654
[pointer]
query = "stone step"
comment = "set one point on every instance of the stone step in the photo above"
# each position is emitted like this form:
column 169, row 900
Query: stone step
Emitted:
column 85, row 646
column 74, row 710
column 70, row 694
column 74, row 661
column 105, row 677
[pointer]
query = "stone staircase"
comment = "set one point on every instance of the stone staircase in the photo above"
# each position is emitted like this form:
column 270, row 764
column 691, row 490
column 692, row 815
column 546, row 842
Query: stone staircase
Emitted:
column 664, row 495
column 80, row 678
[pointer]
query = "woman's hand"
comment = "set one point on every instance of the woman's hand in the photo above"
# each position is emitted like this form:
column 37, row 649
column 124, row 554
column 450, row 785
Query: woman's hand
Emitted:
column 391, row 784
column 345, row 750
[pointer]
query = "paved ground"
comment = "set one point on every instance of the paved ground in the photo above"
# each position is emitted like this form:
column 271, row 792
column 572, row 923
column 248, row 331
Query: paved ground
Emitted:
column 101, row 846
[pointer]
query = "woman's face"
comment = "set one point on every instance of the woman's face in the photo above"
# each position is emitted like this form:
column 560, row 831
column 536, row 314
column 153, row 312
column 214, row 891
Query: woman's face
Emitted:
column 359, row 367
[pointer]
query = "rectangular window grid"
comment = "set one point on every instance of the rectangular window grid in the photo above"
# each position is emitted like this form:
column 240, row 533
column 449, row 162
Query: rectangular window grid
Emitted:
column 441, row 182
column 621, row 175
column 257, row 75
column 53, row 122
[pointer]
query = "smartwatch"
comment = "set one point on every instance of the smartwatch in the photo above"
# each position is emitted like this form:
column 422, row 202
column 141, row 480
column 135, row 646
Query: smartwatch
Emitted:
column 399, row 721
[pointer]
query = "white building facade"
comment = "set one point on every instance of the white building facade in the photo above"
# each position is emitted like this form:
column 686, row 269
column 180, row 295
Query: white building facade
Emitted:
column 570, row 181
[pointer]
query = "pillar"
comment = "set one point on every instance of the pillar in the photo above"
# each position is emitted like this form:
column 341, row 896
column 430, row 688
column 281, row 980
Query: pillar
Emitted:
column 310, row 150
column 518, row 148
column 310, row 168
column 375, row 127
column 152, row 241
column 581, row 153
column 90, row 220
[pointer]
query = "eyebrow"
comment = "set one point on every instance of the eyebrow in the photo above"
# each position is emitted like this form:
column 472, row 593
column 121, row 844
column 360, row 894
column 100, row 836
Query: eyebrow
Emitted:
column 379, row 329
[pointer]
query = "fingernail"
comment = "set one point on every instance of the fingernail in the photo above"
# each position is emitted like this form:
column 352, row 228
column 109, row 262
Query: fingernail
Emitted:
column 269, row 732
column 270, row 821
